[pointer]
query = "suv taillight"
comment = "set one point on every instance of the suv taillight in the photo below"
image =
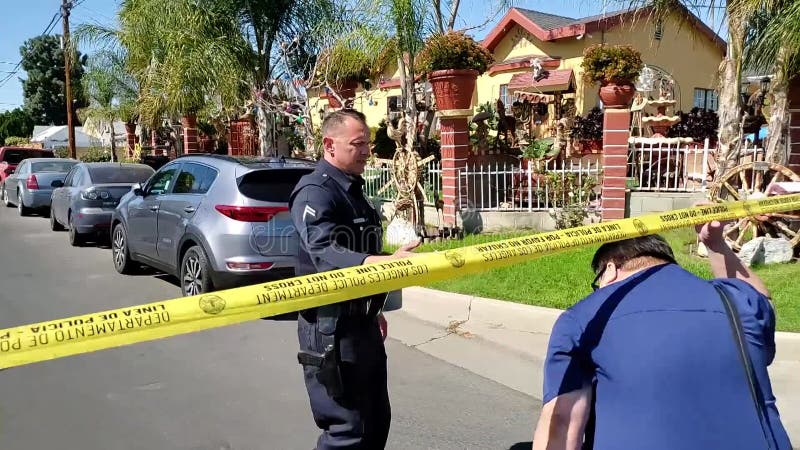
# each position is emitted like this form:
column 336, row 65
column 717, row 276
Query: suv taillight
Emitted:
column 251, row 213
column 32, row 182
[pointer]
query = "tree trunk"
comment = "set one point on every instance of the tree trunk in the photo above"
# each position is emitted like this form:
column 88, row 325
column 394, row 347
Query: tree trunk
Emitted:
column 779, row 111
column 263, row 122
column 729, row 135
column 408, row 88
column 113, row 144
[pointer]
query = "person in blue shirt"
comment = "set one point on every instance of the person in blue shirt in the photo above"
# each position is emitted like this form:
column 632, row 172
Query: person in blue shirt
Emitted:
column 649, row 360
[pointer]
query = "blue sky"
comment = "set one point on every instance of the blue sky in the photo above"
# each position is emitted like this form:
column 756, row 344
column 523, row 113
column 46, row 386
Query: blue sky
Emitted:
column 22, row 20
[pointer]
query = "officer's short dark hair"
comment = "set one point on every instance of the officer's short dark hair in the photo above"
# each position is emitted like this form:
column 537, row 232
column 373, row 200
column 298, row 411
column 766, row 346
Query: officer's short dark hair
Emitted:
column 337, row 118
column 621, row 252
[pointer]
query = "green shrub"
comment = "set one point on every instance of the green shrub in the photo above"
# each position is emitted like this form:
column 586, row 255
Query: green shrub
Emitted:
column 453, row 50
column 61, row 152
column 96, row 154
column 618, row 64
column 16, row 140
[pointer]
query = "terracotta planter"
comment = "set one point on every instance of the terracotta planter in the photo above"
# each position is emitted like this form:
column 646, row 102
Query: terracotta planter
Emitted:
column 453, row 88
column 346, row 89
column 617, row 96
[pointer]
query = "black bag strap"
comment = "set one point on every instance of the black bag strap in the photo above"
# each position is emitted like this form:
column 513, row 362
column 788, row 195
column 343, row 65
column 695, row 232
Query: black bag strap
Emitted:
column 747, row 363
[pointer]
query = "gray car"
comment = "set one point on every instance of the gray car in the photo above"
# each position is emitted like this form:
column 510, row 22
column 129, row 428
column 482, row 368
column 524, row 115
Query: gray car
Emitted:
column 84, row 202
column 213, row 221
column 29, row 187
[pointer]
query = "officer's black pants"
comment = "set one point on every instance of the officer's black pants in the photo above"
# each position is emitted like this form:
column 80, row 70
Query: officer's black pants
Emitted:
column 359, row 420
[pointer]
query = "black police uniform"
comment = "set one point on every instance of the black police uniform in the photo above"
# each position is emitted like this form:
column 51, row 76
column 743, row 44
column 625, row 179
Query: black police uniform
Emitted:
column 341, row 348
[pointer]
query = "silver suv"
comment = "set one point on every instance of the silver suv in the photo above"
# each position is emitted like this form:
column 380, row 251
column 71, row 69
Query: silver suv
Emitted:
column 213, row 221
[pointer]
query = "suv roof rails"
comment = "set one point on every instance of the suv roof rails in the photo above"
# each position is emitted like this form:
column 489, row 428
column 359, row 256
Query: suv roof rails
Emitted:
column 245, row 160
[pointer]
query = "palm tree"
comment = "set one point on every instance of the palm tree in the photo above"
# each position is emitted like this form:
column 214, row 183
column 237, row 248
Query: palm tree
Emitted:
column 773, row 46
column 112, row 95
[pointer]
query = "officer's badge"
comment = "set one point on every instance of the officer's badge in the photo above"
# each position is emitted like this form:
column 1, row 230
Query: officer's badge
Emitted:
column 454, row 258
column 212, row 304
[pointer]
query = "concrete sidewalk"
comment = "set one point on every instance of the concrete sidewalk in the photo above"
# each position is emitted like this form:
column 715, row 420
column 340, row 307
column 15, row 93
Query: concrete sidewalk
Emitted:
column 506, row 342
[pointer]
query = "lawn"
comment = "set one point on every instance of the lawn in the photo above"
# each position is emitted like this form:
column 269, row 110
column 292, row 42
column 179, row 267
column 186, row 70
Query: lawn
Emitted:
column 560, row 280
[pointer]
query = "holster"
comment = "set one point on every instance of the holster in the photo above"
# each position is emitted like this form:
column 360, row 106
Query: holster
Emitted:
column 328, row 363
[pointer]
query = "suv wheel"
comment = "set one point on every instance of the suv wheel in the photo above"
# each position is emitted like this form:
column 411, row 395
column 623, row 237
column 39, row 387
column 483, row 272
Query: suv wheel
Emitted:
column 75, row 239
column 54, row 225
column 4, row 195
column 195, row 272
column 119, row 251
column 23, row 210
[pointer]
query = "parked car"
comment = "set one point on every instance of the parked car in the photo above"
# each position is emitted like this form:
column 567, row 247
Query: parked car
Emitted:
column 10, row 157
column 84, row 202
column 29, row 187
column 213, row 221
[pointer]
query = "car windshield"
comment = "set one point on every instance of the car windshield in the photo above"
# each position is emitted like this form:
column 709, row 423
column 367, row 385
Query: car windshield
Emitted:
column 120, row 174
column 52, row 166
column 12, row 156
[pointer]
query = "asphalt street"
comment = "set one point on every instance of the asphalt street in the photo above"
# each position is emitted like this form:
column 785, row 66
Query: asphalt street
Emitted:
column 237, row 387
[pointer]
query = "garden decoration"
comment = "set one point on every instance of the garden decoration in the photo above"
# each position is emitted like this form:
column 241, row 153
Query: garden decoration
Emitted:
column 754, row 180
column 506, row 126
column 661, row 122
column 408, row 220
column 481, row 145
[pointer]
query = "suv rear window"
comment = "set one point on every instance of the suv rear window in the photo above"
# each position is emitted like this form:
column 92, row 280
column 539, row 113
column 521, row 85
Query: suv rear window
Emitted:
column 15, row 156
column 52, row 166
column 271, row 185
column 120, row 174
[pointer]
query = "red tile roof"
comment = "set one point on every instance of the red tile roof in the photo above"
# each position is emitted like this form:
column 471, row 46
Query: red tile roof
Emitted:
column 548, row 27
column 557, row 80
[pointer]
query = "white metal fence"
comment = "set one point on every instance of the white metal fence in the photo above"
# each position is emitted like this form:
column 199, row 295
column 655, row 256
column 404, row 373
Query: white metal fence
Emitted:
column 504, row 187
column 660, row 167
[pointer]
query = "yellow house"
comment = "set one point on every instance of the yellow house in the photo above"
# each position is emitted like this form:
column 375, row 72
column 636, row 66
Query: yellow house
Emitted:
column 679, row 45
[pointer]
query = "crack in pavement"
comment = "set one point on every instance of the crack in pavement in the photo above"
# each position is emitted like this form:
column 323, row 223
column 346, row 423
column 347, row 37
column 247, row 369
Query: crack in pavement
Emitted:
column 452, row 328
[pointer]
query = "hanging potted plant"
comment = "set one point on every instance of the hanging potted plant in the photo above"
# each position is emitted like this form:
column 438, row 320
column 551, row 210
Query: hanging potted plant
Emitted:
column 615, row 68
column 452, row 62
column 341, row 68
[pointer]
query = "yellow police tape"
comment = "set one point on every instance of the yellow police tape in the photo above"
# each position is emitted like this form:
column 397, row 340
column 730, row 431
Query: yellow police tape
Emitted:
column 82, row 334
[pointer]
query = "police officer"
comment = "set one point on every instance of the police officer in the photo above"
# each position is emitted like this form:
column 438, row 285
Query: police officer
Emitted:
column 341, row 345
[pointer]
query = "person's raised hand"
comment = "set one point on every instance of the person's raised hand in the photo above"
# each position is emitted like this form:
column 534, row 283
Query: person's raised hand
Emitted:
column 710, row 233
column 406, row 251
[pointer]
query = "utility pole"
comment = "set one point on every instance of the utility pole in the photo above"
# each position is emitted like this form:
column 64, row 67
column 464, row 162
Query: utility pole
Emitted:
column 66, row 5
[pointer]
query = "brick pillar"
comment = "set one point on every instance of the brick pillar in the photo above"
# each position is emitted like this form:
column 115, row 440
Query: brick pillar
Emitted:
column 455, row 150
column 191, row 143
column 794, row 125
column 616, row 131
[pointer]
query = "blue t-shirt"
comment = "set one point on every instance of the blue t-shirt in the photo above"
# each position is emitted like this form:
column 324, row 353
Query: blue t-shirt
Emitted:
column 660, row 349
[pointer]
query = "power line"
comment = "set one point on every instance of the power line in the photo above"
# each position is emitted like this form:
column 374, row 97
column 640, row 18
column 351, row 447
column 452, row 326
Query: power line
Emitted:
column 47, row 30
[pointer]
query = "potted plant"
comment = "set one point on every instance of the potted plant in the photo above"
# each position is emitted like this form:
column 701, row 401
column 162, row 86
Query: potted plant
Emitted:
column 587, row 132
column 615, row 68
column 452, row 62
column 342, row 67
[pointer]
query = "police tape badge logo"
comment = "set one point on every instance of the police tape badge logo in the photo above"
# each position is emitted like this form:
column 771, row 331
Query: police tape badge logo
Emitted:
column 640, row 227
column 454, row 258
column 212, row 304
